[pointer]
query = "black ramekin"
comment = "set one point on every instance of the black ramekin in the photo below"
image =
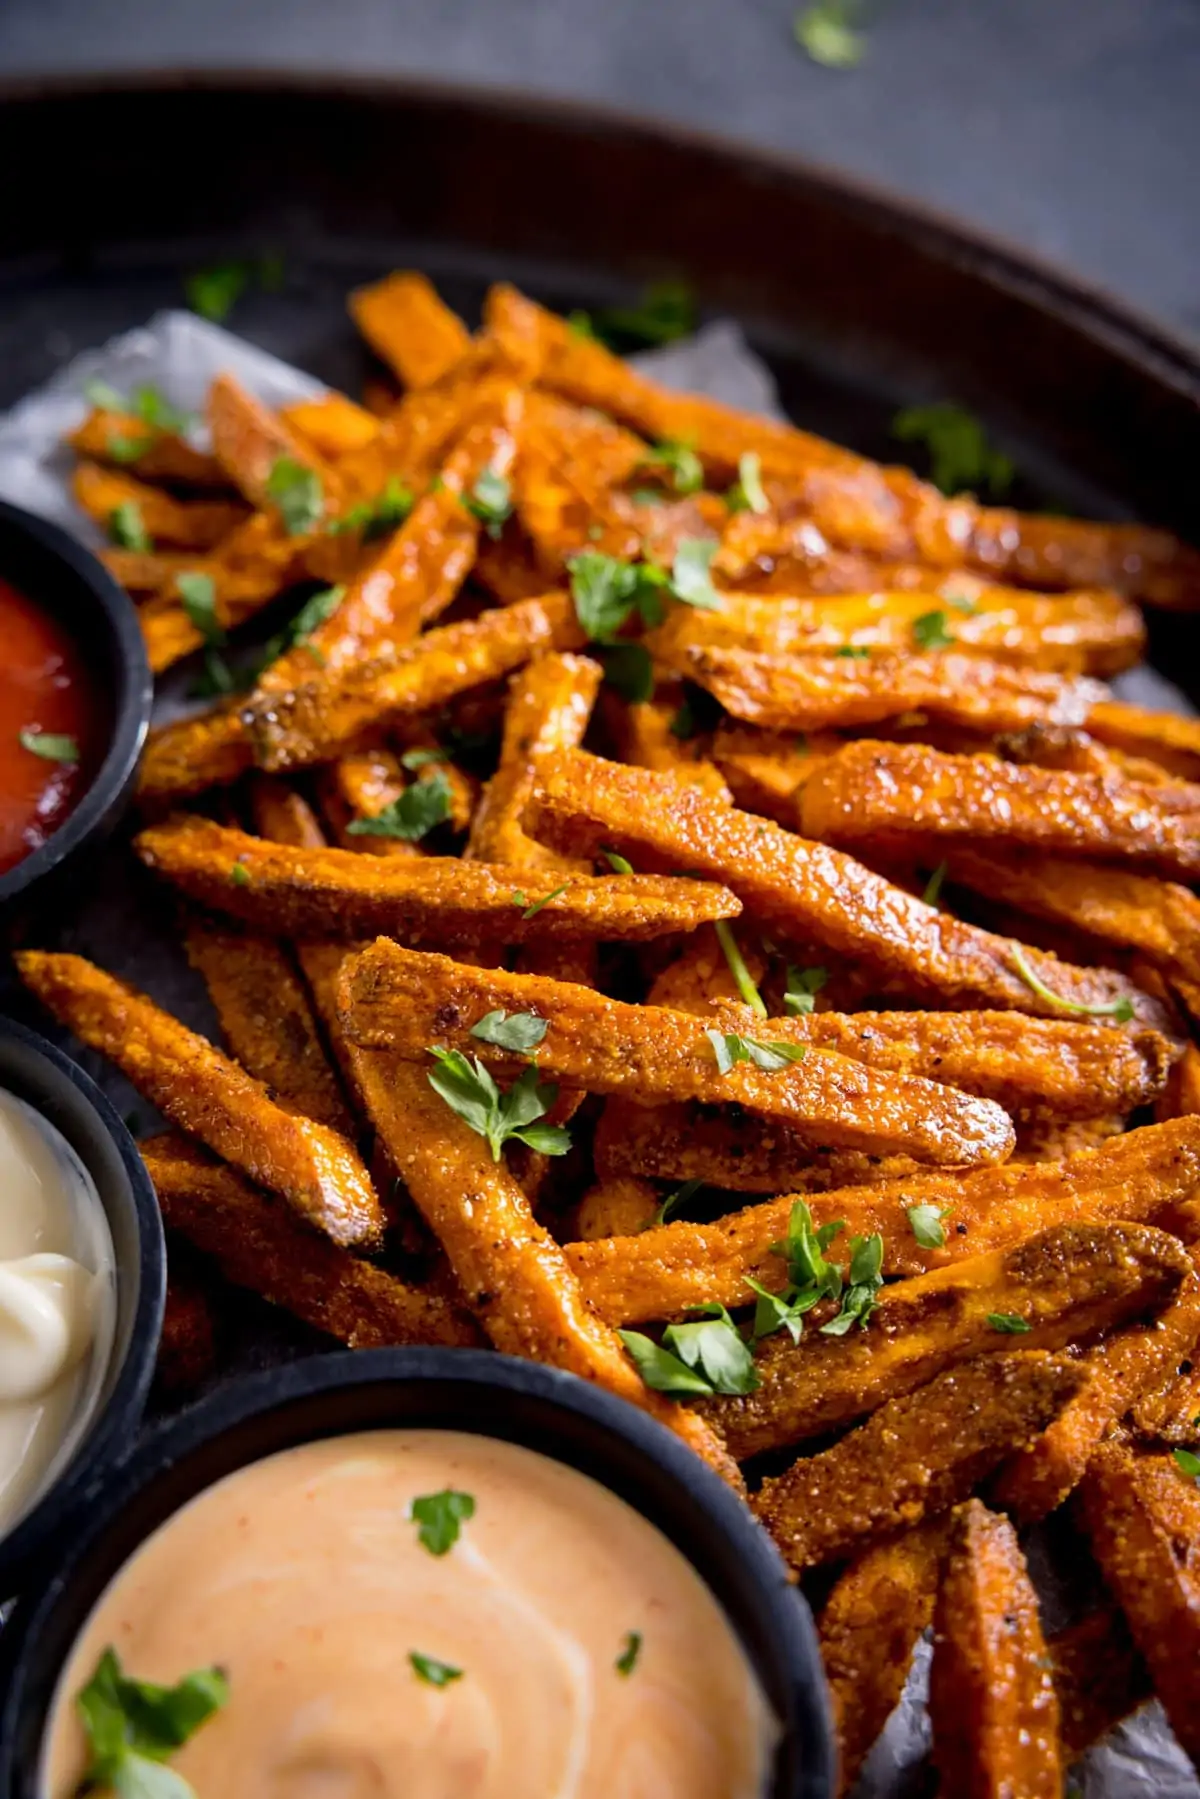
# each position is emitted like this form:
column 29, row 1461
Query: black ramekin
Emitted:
column 466, row 1390
column 61, row 575
column 51, row 1084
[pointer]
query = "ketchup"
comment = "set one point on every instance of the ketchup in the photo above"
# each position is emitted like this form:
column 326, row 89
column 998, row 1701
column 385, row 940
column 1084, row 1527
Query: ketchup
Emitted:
column 44, row 693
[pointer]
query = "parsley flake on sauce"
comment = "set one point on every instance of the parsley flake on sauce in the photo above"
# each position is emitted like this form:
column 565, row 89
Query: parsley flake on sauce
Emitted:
column 433, row 1672
column 51, row 746
column 441, row 1517
column 626, row 1662
column 133, row 1727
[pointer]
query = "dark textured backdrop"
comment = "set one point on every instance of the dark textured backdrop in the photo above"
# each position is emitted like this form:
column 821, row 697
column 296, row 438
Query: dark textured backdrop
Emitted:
column 1071, row 127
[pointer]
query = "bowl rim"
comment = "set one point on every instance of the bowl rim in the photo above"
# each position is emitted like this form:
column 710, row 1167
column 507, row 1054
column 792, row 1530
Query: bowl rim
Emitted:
column 133, row 700
column 105, row 1442
column 170, row 1458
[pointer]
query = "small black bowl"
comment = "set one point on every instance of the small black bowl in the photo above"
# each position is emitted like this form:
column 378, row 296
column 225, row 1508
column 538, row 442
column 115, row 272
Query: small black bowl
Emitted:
column 63, row 1094
column 61, row 575
column 465, row 1390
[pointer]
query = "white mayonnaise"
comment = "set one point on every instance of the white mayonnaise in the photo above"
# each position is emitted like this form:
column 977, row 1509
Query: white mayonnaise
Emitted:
column 57, row 1304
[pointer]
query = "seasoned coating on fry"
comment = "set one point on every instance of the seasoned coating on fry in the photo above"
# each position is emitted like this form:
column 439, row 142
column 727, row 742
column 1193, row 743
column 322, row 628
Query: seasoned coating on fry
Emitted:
column 615, row 1209
column 178, row 524
column 806, row 890
column 1138, row 1177
column 409, row 327
column 1066, row 1284
column 1089, row 633
column 549, row 705
column 721, row 1147
column 257, row 1242
column 642, row 733
column 1054, row 1140
column 992, row 1702
column 142, row 572
column 1098, row 1675
column 403, row 1000
column 869, row 1627
column 265, row 1015
column 160, row 456
column 248, row 439
column 913, row 1457
column 1110, row 905
column 314, row 1168
column 1167, row 738
column 320, row 720
column 1181, row 1094
column 888, row 793
column 514, row 1275
column 1120, row 1368
column 1142, row 1517
column 190, row 754
column 362, row 786
column 187, row 1348
column 330, row 426
column 763, row 769
column 341, row 894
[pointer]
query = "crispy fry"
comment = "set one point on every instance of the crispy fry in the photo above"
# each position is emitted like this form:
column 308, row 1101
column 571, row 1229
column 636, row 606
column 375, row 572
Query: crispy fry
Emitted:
column 1098, row 1675
column 1066, row 1284
column 183, row 758
column 1054, row 1139
column 181, row 524
column 257, row 1242
column 409, row 327
column 319, row 721
column 361, row 787
column 187, row 1347
column 1142, row 1516
column 513, row 1273
column 248, row 440
column 158, row 455
column 643, row 734
column 142, row 572
column 338, row 893
column 1181, row 1094
column 868, row 1630
column 267, row 1021
column 691, row 1141
column 615, row 1209
column 331, row 426
column 914, row 1456
column 316, row 1170
column 1164, row 737
column 1139, row 1177
column 398, row 999
column 549, row 706
column 807, row 891
column 890, row 793
column 992, row 1701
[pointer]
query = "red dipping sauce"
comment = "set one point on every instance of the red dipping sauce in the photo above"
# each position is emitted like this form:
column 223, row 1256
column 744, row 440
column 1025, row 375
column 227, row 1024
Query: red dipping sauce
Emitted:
column 46, row 693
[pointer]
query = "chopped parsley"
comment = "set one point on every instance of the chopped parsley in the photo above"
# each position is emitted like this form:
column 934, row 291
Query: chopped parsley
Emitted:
column 239, row 875
column 51, row 746
column 729, row 1049
column 927, row 1226
column 490, row 501
column 520, row 1031
column 432, row 1672
column 960, row 457
column 1188, row 1464
column 665, row 313
column 198, row 596
column 413, row 815
column 1009, row 1323
column 378, row 517
column 626, row 1662
column 440, row 1517
column 421, row 758
column 803, row 985
column 680, row 465
column 691, row 580
column 812, row 1278
column 470, row 1092
column 853, row 651
column 133, row 1727
column 1119, row 1009
column 684, row 725
column 862, row 1284
column 828, row 33
column 531, row 908
column 746, row 494
column 126, row 527
column 124, row 449
column 607, row 591
column 618, row 864
column 708, row 1356
column 680, row 1196
column 147, row 403
column 629, row 670
column 930, row 633
column 296, row 634
column 737, row 967
column 933, row 886
column 296, row 490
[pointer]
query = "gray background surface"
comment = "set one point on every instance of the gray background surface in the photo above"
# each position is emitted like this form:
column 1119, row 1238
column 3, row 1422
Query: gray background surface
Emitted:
column 1070, row 127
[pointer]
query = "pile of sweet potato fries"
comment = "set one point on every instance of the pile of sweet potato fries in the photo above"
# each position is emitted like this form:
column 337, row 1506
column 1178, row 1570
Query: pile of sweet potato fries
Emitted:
column 785, row 1027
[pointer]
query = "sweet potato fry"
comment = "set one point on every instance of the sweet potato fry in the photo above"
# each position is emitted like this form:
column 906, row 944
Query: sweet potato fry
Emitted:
column 808, row 891
column 126, row 441
column 248, row 440
column 818, row 693
column 409, row 327
column 1092, row 633
column 615, row 1209
column 398, row 999
column 1142, row 1516
column 549, row 706
column 869, row 1627
column 1122, row 1367
column 1181, row 1094
column 142, row 572
column 1066, row 1284
column 331, row 426
column 266, row 1018
column 1167, row 738
column 1098, row 1675
column 643, row 735
column 889, row 794
column 175, row 524
column 357, row 788
column 513, row 1273
column 315, row 1169
column 187, row 1349
column 659, row 1274
column 338, row 893
column 763, row 769
column 914, row 1456
column 992, row 1701
column 317, row 722
column 257, row 1242
column 183, row 758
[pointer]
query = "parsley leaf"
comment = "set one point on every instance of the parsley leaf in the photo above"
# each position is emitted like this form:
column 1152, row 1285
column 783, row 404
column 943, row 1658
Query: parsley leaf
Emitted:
column 490, row 501
column 691, row 581
column 729, row 1048
column 626, row 1662
column 133, row 1726
column 604, row 591
column 314, row 612
column 239, row 875
column 147, row 403
column 680, row 463
column 746, row 494
column 1009, row 1323
column 708, row 1356
column 417, row 811
column 127, row 528
column 378, row 517
column 671, row 1204
column 198, row 595
column 125, row 449
column 1120, row 1009
column 212, row 292
column 469, row 1090
column 665, row 312
column 803, row 1249
column 737, row 968
column 296, row 490
column 863, row 1282
column 51, row 746
column 618, row 864
column 661, row 1370
column 855, row 652
column 433, row 1673
column 684, row 725
column 927, row 1226
column 441, row 1517
column 803, row 984
column 628, row 669
column 960, row 456
column 1188, row 1463
column 520, row 1031
column 930, row 633
column 421, row 758
column 827, row 33
column 933, row 886
column 534, row 907
column 775, row 1311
